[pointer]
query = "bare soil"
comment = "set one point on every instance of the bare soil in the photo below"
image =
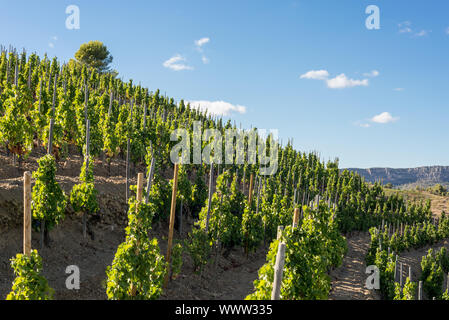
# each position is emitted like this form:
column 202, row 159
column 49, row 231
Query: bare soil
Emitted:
column 348, row 280
column 413, row 259
column 227, row 278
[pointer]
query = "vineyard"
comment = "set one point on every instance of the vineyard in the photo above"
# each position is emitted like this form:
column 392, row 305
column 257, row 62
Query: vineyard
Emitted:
column 86, row 173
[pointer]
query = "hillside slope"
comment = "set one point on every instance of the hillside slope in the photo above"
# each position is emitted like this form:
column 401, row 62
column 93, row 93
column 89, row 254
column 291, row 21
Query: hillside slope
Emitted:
column 423, row 176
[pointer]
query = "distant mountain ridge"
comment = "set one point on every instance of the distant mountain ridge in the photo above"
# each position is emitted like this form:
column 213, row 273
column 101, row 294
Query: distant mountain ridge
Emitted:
column 422, row 176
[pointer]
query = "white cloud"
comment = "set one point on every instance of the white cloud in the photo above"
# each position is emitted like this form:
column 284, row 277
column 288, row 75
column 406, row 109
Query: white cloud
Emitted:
column 51, row 45
column 372, row 74
column 398, row 89
column 55, row 38
column 384, row 117
column 316, row 75
column 404, row 27
column 447, row 30
column 221, row 108
column 422, row 33
column 364, row 125
column 201, row 42
column 341, row 82
column 175, row 63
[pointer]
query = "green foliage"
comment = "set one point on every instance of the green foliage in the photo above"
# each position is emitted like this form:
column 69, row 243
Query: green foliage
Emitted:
column 406, row 293
column 252, row 228
column 160, row 195
column 199, row 192
column 94, row 54
column 16, row 131
column 198, row 247
column 445, row 295
column 224, row 223
column 140, row 217
column 176, row 259
column 29, row 284
column 311, row 249
column 138, row 269
column 386, row 264
column 432, row 273
column 26, row 112
column 49, row 200
column 83, row 197
column 438, row 189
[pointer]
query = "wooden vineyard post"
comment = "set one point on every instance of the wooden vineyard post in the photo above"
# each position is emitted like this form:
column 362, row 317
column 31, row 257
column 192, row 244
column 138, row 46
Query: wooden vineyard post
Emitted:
column 172, row 223
column 209, row 202
column 447, row 285
column 258, row 194
column 139, row 199
column 251, row 185
column 29, row 77
column 86, row 100
column 139, row 187
column 27, row 213
column 8, row 70
column 40, row 97
column 87, row 144
column 127, row 170
column 295, row 218
column 144, row 116
column 396, row 269
column 249, row 204
column 54, row 96
column 244, row 180
column 150, row 179
column 279, row 234
column 16, row 75
column 180, row 219
column 111, row 97
column 50, row 136
column 49, row 151
column 420, row 291
column 278, row 271
column 87, row 173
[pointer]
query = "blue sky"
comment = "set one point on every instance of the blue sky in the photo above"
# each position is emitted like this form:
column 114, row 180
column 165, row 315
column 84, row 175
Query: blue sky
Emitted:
column 373, row 98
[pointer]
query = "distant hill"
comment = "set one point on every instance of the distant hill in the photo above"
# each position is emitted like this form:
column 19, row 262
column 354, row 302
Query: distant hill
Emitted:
column 422, row 176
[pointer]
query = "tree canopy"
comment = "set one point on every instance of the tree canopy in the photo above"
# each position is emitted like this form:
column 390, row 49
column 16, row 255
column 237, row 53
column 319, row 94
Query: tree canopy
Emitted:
column 94, row 54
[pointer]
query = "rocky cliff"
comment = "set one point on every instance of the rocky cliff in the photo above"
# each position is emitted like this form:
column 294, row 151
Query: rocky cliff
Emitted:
column 423, row 176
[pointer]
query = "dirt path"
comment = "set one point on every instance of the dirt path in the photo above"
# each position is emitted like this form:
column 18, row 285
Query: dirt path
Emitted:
column 413, row 259
column 231, row 279
column 348, row 281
